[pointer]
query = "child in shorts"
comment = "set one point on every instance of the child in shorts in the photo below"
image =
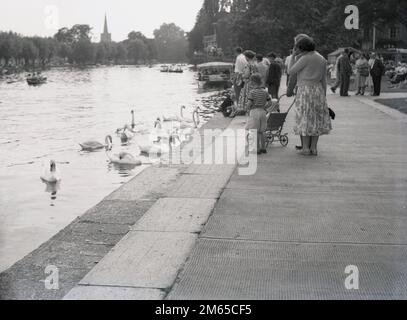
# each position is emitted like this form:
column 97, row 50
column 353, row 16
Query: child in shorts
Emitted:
column 258, row 101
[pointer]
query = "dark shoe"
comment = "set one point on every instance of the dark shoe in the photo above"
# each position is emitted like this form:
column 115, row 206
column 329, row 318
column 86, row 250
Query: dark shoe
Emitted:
column 333, row 90
column 298, row 148
column 259, row 152
column 263, row 151
column 306, row 152
column 357, row 93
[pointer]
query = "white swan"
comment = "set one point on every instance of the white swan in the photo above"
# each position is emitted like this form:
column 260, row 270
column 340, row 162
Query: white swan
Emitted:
column 123, row 158
column 93, row 145
column 127, row 134
column 175, row 117
column 51, row 173
column 160, row 147
column 195, row 119
column 132, row 126
column 159, row 132
column 183, row 119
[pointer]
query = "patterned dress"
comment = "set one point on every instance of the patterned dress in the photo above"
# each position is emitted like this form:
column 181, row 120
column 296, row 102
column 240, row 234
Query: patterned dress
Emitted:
column 311, row 111
column 249, row 70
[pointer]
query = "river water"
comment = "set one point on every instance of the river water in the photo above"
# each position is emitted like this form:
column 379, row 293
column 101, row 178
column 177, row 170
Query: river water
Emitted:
column 47, row 122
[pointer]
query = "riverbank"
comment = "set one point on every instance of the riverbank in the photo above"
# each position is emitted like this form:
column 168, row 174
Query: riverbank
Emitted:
column 205, row 232
column 82, row 244
column 49, row 121
column 296, row 229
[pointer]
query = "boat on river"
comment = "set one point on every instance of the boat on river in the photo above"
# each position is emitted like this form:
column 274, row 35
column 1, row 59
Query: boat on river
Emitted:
column 36, row 79
column 165, row 68
column 176, row 69
column 215, row 73
column 13, row 79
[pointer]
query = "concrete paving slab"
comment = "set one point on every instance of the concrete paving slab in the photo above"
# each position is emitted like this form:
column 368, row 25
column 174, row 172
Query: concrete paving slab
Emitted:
column 220, row 269
column 116, row 212
column 176, row 215
column 265, row 203
column 150, row 184
column 113, row 293
column 31, row 284
column 199, row 186
column 210, row 169
column 317, row 228
column 143, row 260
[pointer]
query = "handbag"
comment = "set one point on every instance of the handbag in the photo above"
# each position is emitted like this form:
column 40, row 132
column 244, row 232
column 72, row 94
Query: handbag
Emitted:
column 332, row 114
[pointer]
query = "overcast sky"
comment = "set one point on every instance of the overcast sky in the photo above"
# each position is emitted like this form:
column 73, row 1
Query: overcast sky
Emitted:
column 37, row 17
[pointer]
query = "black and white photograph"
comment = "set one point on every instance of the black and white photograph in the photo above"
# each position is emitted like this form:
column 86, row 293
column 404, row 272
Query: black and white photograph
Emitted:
column 172, row 151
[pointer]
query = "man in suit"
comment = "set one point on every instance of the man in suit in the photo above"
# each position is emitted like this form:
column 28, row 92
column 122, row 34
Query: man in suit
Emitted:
column 274, row 76
column 377, row 72
column 344, row 71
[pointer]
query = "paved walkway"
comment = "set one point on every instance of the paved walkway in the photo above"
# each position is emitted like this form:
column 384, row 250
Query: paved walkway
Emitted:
column 290, row 231
column 287, row 232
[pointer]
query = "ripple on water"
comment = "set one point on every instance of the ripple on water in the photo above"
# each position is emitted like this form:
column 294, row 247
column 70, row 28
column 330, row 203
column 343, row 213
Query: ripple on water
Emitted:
column 47, row 122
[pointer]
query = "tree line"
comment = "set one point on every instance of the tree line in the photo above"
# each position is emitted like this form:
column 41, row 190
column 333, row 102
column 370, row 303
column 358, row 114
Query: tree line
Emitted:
column 265, row 25
column 74, row 46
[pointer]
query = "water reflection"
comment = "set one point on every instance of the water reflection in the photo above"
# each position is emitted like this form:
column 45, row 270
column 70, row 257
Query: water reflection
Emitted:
column 123, row 170
column 51, row 120
column 52, row 188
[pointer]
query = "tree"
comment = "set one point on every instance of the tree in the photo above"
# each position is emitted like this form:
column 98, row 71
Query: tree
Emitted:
column 83, row 52
column 171, row 43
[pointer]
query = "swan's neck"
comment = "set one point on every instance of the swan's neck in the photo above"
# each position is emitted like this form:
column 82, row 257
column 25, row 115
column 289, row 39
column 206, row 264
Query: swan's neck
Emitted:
column 133, row 123
column 195, row 114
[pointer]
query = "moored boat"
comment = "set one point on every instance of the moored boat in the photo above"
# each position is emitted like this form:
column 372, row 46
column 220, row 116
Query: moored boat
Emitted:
column 215, row 73
column 36, row 79
column 165, row 68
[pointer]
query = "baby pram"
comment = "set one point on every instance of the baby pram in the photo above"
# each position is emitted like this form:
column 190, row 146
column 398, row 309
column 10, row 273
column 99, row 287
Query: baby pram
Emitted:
column 275, row 124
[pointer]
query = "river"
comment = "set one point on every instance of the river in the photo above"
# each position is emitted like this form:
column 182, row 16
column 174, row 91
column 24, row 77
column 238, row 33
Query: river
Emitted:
column 48, row 121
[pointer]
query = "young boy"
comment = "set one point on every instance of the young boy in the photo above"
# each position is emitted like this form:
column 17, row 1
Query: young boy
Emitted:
column 259, row 101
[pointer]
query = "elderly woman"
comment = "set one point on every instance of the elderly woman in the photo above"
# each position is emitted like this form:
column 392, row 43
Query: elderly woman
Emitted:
column 362, row 73
column 312, row 114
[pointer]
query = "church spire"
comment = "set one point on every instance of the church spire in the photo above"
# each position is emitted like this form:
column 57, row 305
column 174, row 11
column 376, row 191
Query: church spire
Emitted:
column 105, row 29
column 105, row 36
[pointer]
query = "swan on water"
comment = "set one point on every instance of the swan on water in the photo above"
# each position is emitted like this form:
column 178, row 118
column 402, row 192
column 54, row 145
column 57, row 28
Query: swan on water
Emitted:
column 127, row 134
column 160, row 147
column 132, row 126
column 195, row 121
column 93, row 145
column 123, row 158
column 183, row 119
column 50, row 173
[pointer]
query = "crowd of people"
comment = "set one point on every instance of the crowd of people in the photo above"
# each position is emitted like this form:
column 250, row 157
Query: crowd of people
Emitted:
column 398, row 74
column 369, row 72
column 257, row 81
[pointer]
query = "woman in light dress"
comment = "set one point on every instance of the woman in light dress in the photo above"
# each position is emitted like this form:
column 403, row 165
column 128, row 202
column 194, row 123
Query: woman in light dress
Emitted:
column 311, row 108
column 362, row 73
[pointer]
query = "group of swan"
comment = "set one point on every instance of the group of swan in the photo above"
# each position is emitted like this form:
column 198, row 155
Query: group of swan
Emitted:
column 163, row 142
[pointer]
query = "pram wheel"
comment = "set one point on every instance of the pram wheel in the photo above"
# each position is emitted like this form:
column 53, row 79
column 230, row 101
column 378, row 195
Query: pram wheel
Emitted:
column 284, row 140
column 269, row 140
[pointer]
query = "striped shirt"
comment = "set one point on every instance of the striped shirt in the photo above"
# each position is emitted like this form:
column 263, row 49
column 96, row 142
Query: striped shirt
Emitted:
column 259, row 98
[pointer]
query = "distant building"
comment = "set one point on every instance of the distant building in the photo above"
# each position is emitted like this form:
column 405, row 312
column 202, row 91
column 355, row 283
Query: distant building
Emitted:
column 390, row 40
column 387, row 36
column 105, row 36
